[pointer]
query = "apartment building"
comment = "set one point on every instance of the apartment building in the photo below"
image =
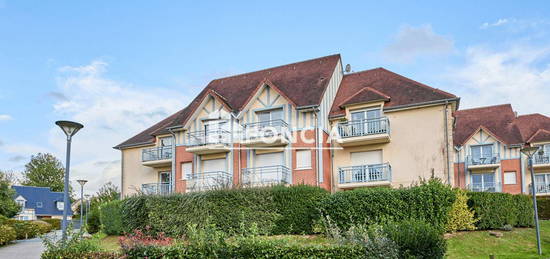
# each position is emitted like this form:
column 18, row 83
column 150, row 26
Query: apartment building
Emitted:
column 487, row 143
column 308, row 122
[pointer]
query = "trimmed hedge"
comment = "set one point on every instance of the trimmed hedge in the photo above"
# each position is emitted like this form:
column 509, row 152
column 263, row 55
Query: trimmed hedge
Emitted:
column 111, row 218
column 94, row 223
column 56, row 223
column 273, row 210
column 7, row 234
column 495, row 210
column 543, row 206
column 417, row 239
column 24, row 229
column 430, row 202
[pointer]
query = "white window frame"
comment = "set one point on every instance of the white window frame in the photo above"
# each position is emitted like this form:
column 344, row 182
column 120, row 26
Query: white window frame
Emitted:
column 508, row 173
column 183, row 173
column 365, row 111
column 270, row 112
column 303, row 166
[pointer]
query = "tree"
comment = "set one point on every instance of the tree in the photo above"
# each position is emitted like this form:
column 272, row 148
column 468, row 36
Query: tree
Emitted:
column 8, row 206
column 44, row 170
column 107, row 192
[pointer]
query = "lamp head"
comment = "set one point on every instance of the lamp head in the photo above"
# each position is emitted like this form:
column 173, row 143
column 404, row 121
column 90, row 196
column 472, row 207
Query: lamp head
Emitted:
column 82, row 182
column 529, row 151
column 69, row 127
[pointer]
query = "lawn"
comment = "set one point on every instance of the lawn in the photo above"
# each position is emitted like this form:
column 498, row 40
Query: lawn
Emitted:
column 519, row 243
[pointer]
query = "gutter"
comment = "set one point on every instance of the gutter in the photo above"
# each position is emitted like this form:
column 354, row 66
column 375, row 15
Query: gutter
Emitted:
column 445, row 117
column 444, row 101
column 120, row 147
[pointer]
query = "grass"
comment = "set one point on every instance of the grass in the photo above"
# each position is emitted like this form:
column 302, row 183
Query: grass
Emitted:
column 519, row 243
column 109, row 243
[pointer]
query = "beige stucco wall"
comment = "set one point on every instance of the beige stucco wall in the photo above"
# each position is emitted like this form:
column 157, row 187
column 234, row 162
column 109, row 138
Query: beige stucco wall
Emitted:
column 417, row 145
column 134, row 174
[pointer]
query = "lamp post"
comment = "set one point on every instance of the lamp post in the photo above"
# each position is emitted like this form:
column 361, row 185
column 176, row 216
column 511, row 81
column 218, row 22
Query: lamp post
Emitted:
column 82, row 183
column 69, row 128
column 87, row 207
column 529, row 152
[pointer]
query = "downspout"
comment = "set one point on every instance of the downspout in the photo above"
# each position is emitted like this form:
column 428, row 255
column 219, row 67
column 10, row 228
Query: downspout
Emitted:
column 236, row 120
column 316, row 147
column 173, row 173
column 447, row 142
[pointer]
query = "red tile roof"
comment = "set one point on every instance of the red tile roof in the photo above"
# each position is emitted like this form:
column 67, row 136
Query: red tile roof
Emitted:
column 365, row 95
column 401, row 90
column 501, row 121
column 303, row 83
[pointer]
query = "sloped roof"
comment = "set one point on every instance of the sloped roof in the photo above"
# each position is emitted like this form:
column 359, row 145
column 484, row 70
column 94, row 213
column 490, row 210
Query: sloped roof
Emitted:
column 365, row 95
column 304, row 83
column 40, row 194
column 401, row 91
column 501, row 121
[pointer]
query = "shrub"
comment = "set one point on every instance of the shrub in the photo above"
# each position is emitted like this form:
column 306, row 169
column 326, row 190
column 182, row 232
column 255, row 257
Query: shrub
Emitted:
column 298, row 206
column 7, row 234
column 460, row 216
column 24, row 229
column 43, row 227
column 417, row 239
column 494, row 210
column 56, row 223
column 94, row 223
column 134, row 213
column 430, row 202
column 3, row 219
column 75, row 246
column 543, row 206
column 110, row 218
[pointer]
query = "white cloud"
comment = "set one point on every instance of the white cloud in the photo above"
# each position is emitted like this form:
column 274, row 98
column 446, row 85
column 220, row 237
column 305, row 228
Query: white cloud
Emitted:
column 499, row 22
column 413, row 42
column 5, row 117
column 519, row 75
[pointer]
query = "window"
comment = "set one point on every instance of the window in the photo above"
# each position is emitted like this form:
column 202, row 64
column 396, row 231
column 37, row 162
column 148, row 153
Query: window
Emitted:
column 303, row 159
column 186, row 169
column 271, row 115
column 21, row 203
column 166, row 142
column 482, row 154
column 510, row 178
column 60, row 205
column 542, row 183
column 483, row 182
column 39, row 204
column 366, row 114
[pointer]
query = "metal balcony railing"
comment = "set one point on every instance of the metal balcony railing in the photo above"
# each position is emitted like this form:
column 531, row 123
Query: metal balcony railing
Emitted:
column 265, row 129
column 357, row 128
column 266, row 175
column 209, row 181
column 541, row 159
column 486, row 159
column 201, row 138
column 541, row 188
column 156, row 188
column 364, row 173
column 156, row 153
column 485, row 187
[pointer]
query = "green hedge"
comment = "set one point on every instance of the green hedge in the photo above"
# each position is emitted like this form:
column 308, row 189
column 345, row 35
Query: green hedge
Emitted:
column 111, row 218
column 7, row 234
column 273, row 210
column 494, row 210
column 56, row 223
column 416, row 239
column 430, row 202
column 94, row 223
column 24, row 229
column 543, row 206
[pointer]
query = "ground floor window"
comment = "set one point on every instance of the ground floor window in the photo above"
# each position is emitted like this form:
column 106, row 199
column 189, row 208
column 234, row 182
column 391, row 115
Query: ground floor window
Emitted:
column 483, row 182
column 542, row 183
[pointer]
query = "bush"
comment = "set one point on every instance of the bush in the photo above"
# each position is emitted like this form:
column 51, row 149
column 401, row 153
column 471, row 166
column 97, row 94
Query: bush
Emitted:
column 430, row 202
column 134, row 213
column 543, row 206
column 94, row 223
column 417, row 239
column 460, row 216
column 110, row 217
column 494, row 210
column 24, row 229
column 7, row 234
column 56, row 223
column 43, row 227
column 74, row 247
column 298, row 206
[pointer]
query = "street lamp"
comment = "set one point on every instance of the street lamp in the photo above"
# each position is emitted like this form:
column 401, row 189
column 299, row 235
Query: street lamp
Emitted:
column 87, row 206
column 69, row 128
column 530, row 152
column 82, row 183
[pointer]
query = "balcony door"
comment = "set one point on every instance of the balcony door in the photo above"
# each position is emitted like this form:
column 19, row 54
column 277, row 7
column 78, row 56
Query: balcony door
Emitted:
column 366, row 166
column 164, row 180
column 267, row 166
column 483, row 154
column 213, row 131
column 364, row 122
column 213, row 171
column 542, row 183
column 483, row 182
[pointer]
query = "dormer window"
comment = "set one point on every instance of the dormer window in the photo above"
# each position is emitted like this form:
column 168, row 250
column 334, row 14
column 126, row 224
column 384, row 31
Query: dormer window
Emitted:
column 367, row 114
column 39, row 204
column 60, row 205
column 271, row 115
column 165, row 142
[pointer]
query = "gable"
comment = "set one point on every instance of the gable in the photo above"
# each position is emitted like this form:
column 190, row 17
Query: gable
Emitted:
column 212, row 106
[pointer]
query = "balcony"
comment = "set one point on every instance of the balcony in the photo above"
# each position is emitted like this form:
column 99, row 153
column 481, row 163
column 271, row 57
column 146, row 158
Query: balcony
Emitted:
column 209, row 181
column 488, row 161
column 266, row 175
column 541, row 188
column 156, row 188
column 157, row 156
column 541, row 162
column 364, row 132
column 485, row 187
column 364, row 175
column 208, row 142
column 266, row 133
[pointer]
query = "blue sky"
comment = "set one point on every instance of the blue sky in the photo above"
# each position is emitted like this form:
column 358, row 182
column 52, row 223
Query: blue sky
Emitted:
column 119, row 66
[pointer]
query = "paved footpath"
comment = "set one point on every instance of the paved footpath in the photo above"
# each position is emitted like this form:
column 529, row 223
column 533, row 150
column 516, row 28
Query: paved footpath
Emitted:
column 24, row 249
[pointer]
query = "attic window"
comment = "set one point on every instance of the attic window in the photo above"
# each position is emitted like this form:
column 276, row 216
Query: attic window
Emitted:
column 39, row 204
